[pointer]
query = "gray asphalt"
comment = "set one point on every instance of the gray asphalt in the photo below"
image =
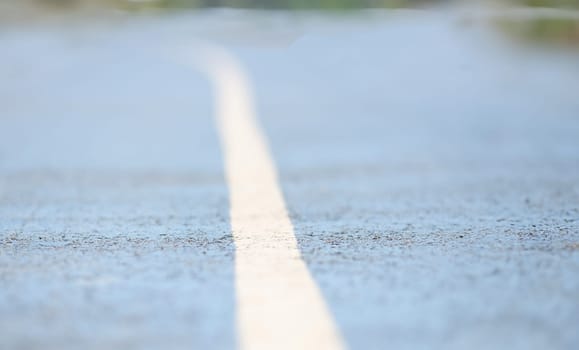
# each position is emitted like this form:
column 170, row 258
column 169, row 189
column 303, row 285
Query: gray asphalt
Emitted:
column 430, row 166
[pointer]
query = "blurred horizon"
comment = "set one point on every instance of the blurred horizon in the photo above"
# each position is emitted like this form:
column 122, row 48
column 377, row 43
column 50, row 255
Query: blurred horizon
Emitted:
column 552, row 22
column 34, row 8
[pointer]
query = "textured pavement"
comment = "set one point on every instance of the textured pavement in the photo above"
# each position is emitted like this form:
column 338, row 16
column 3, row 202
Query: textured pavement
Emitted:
column 430, row 168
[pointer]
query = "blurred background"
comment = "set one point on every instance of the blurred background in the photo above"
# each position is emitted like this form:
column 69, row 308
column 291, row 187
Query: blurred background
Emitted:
column 86, row 64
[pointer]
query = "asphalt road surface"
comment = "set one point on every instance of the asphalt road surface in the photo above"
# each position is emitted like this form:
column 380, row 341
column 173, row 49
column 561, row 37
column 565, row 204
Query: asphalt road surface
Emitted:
column 414, row 184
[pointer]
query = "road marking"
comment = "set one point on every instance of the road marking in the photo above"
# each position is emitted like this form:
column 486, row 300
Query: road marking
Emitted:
column 279, row 305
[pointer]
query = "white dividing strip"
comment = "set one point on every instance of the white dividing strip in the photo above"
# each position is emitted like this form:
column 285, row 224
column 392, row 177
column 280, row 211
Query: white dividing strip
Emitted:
column 279, row 305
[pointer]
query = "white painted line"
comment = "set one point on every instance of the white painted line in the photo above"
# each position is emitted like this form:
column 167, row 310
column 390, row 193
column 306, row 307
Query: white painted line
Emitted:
column 279, row 304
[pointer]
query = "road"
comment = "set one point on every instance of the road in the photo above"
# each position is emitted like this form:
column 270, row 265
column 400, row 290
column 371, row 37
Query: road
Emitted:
column 424, row 170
